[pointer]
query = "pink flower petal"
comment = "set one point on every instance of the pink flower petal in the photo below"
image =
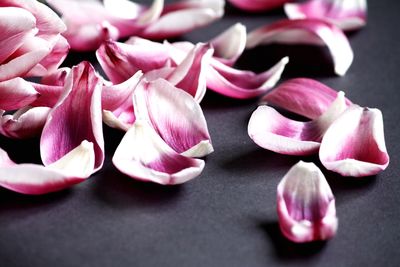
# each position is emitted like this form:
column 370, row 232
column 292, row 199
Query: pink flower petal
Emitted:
column 306, row 205
column 143, row 155
column 32, row 179
column 56, row 78
column 274, row 132
column 75, row 118
column 24, row 123
column 16, row 93
column 175, row 116
column 307, row 31
column 306, row 97
column 354, row 145
column 257, row 5
column 347, row 15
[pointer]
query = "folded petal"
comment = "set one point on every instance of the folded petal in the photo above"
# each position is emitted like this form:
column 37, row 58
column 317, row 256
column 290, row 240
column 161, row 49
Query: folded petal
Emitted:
column 24, row 123
column 16, row 93
column 274, row 132
column 257, row 5
column 302, row 96
column 75, row 118
column 32, row 179
column 143, row 155
column 354, row 145
column 307, row 31
column 306, row 205
column 175, row 116
column 347, row 15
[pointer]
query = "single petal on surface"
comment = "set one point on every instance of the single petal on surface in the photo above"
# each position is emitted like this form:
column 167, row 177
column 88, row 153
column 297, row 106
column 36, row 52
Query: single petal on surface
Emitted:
column 76, row 117
column 257, row 5
column 354, row 145
column 143, row 155
column 176, row 117
column 274, row 132
column 242, row 84
column 32, row 179
column 307, row 31
column 306, row 205
column 16, row 93
column 302, row 96
column 347, row 15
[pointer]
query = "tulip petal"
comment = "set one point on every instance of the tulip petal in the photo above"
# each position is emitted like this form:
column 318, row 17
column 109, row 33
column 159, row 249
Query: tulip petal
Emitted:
column 16, row 93
column 143, row 155
column 302, row 96
column 306, row 205
column 175, row 116
column 76, row 117
column 257, row 5
column 307, row 31
column 354, row 145
column 32, row 179
column 274, row 132
column 347, row 15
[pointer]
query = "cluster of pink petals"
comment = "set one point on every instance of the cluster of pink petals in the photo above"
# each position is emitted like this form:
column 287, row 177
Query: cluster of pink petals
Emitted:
column 90, row 22
column 349, row 138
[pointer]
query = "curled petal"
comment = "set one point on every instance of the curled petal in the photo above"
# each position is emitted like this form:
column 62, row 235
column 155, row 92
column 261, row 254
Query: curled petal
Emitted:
column 347, row 15
column 274, row 132
column 143, row 155
column 56, row 78
column 306, row 97
column 257, row 5
column 24, row 123
column 306, row 205
column 16, row 93
column 175, row 116
column 354, row 145
column 75, row 118
column 307, row 31
column 32, row 179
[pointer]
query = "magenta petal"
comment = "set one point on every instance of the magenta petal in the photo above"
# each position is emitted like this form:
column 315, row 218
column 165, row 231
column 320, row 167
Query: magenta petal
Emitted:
column 257, row 5
column 32, row 179
column 347, row 15
column 143, row 155
column 16, row 93
column 175, row 116
column 306, row 205
column 24, row 123
column 302, row 96
column 307, row 31
column 76, row 117
column 274, row 132
column 354, row 145
column 242, row 84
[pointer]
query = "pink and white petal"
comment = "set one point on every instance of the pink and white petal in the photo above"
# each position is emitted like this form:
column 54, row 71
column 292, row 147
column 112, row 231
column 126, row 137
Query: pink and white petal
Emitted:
column 354, row 145
column 242, row 84
column 272, row 131
column 143, row 155
column 175, row 116
column 33, row 179
column 230, row 44
column 302, row 96
column 257, row 5
column 76, row 117
column 16, row 93
column 25, row 123
column 306, row 205
column 307, row 31
column 123, row 8
column 347, row 15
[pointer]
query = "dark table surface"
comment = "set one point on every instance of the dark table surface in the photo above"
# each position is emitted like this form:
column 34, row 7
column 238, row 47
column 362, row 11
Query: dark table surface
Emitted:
column 226, row 216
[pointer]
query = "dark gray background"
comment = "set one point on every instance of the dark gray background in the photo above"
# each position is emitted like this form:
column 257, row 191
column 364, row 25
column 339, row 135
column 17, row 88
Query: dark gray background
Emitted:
column 226, row 216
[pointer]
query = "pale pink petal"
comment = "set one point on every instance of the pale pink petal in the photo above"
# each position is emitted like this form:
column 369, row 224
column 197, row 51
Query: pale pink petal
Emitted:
column 32, row 179
column 307, row 31
column 257, row 5
column 48, row 94
column 306, row 205
column 274, row 132
column 354, row 145
column 56, row 78
column 175, row 116
column 24, row 123
column 16, row 93
column 76, row 117
column 303, row 96
column 143, row 155
column 242, row 84
column 347, row 15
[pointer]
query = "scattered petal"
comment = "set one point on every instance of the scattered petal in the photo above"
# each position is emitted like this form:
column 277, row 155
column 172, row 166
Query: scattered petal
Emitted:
column 16, row 93
column 257, row 5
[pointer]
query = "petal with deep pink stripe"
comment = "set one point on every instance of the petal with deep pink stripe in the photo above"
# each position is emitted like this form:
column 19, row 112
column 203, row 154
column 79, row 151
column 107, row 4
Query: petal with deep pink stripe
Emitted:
column 257, row 5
